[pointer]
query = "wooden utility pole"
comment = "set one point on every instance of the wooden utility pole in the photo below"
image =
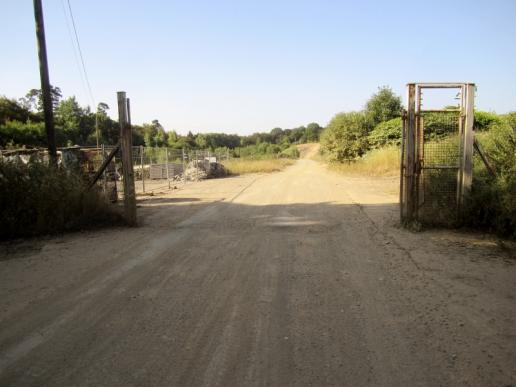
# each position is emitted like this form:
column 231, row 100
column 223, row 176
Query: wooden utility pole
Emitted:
column 126, row 146
column 45, row 82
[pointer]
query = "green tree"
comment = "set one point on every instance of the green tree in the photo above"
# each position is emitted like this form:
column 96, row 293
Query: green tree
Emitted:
column 160, row 137
column 383, row 106
column 12, row 110
column 33, row 100
column 200, row 141
column 190, row 140
column 345, row 137
column 312, row 132
column 173, row 139
column 276, row 135
column 75, row 122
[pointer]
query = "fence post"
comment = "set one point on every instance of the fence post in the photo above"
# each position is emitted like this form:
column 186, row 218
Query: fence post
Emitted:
column 467, row 143
column 127, row 160
column 166, row 165
column 184, row 167
column 104, row 177
column 142, row 150
column 410, row 152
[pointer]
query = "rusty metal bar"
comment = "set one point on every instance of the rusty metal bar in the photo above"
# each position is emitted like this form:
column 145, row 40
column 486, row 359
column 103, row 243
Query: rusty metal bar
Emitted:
column 105, row 163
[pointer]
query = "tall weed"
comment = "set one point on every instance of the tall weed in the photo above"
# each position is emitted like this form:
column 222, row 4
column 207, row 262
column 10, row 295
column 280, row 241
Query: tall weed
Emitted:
column 37, row 199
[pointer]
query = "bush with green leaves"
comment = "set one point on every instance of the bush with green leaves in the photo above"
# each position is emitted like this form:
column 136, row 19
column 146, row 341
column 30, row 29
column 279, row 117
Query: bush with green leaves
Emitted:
column 290, row 153
column 16, row 133
column 386, row 133
column 484, row 120
column 492, row 204
column 345, row 137
column 38, row 199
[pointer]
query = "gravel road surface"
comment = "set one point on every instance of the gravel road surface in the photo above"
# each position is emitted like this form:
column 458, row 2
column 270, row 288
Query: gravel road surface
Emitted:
column 297, row 278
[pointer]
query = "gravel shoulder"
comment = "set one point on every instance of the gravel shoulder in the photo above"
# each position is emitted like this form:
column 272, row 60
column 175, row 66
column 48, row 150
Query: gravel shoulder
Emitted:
column 300, row 277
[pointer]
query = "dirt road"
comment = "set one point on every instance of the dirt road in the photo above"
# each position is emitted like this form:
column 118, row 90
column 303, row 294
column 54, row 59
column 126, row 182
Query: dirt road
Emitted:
column 297, row 278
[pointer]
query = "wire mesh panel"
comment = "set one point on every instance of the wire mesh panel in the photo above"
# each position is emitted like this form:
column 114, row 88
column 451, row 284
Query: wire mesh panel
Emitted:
column 159, row 168
column 439, row 158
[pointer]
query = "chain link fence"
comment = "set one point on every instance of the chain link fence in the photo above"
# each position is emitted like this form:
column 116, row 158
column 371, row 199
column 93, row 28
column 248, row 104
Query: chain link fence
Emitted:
column 158, row 168
column 155, row 168
column 439, row 154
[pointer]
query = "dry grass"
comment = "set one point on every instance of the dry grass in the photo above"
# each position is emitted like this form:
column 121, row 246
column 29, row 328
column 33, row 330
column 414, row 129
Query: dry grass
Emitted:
column 243, row 166
column 36, row 199
column 379, row 162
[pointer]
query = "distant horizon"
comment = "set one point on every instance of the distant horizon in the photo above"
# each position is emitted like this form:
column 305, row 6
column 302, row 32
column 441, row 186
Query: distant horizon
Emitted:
column 241, row 68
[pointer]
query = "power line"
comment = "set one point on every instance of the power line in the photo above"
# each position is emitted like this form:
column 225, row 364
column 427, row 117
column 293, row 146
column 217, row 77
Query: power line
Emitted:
column 76, row 57
column 80, row 54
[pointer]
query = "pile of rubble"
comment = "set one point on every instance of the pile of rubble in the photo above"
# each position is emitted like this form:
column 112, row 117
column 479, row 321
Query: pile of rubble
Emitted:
column 199, row 170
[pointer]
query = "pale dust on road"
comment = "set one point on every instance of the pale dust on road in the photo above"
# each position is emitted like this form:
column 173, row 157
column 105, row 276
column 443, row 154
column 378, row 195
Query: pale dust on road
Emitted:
column 296, row 278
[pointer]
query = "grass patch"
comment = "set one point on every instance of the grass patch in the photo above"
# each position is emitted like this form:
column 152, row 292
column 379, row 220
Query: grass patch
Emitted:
column 378, row 162
column 243, row 166
column 36, row 199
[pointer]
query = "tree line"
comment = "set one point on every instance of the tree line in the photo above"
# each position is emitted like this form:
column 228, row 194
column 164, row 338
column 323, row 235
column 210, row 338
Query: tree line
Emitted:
column 22, row 125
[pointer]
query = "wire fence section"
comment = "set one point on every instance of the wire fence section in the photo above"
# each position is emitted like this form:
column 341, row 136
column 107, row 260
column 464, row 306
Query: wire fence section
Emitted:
column 158, row 168
column 439, row 154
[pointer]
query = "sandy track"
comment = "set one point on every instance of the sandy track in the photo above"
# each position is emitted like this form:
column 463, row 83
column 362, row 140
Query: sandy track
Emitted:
column 295, row 278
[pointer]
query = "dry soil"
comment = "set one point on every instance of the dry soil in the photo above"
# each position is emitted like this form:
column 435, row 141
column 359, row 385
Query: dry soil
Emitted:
column 297, row 278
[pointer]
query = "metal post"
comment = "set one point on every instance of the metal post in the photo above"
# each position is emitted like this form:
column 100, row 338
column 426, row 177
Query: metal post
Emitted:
column 142, row 150
column 166, row 165
column 402, row 165
column 104, row 177
column 127, row 160
column 410, row 152
column 48, row 109
column 184, row 167
column 467, row 145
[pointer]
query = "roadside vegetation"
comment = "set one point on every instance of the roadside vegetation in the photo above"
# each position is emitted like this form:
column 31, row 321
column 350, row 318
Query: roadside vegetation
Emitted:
column 367, row 142
column 377, row 162
column 243, row 166
column 262, row 158
column 38, row 199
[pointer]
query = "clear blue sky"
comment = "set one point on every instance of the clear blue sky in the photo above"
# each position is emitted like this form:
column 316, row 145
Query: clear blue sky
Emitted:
column 244, row 66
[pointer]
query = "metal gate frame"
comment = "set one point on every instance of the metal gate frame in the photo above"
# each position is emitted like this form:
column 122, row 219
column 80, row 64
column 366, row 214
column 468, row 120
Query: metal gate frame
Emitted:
column 412, row 157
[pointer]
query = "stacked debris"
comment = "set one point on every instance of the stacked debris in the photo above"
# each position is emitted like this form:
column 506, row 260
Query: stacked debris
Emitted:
column 204, row 169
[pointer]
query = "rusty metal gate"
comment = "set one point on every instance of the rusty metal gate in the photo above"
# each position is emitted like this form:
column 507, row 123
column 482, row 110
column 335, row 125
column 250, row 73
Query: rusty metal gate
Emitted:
column 436, row 162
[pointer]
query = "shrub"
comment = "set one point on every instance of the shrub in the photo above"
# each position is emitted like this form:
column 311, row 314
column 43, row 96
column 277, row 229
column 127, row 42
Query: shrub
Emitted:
column 345, row 137
column 492, row 204
column 290, row 153
column 484, row 120
column 386, row 133
column 37, row 199
column 19, row 133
